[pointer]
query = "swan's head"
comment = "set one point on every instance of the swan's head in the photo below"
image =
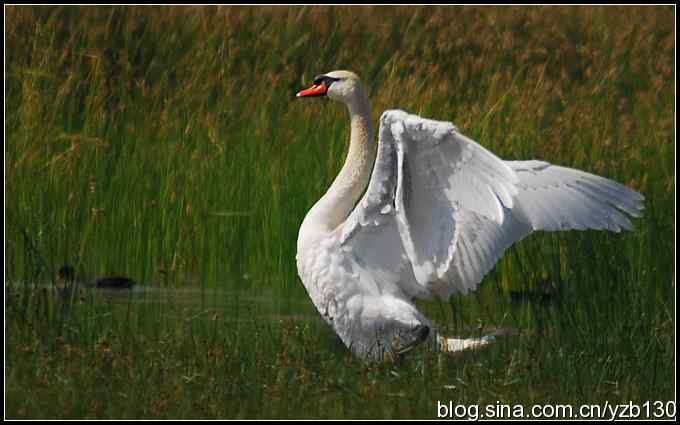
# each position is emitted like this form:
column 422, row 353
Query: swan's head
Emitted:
column 343, row 86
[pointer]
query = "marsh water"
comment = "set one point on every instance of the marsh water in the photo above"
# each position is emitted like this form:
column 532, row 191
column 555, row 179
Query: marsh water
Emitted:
column 246, row 304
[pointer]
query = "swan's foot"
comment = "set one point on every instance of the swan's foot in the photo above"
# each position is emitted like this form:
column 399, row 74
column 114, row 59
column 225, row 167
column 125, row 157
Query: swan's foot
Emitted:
column 453, row 345
column 416, row 336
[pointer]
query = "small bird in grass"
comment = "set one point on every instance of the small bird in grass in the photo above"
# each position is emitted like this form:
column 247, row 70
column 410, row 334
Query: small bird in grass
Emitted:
column 66, row 274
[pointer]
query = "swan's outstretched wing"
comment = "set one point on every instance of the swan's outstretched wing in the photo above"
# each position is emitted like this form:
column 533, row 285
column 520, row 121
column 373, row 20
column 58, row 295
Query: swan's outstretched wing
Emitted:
column 558, row 198
column 440, row 210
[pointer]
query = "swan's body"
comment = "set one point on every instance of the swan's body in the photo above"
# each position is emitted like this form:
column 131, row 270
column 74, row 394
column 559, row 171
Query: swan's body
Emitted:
column 437, row 213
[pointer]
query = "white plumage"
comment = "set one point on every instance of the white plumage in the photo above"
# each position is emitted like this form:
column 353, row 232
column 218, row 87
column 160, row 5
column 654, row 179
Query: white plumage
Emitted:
column 438, row 212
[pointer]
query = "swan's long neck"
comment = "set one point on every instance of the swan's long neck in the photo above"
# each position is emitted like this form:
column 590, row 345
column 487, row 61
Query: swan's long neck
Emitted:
column 336, row 205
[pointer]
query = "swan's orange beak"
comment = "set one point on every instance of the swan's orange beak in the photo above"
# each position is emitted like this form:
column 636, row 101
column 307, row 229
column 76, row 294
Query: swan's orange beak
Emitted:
column 316, row 90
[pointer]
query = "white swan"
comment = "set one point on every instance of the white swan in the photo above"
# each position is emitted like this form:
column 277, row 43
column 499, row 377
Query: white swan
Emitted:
column 437, row 213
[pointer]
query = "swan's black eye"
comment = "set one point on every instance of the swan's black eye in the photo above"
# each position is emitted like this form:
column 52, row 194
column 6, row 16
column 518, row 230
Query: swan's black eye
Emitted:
column 325, row 79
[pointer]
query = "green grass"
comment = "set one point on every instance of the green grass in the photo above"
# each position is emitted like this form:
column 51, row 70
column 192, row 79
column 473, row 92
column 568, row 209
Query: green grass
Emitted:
column 165, row 143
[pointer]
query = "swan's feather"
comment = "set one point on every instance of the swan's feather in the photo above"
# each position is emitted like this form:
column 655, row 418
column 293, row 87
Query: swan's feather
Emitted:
column 440, row 210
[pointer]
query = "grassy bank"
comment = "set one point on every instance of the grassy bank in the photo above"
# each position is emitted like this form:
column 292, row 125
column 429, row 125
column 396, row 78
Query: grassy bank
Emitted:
column 166, row 144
